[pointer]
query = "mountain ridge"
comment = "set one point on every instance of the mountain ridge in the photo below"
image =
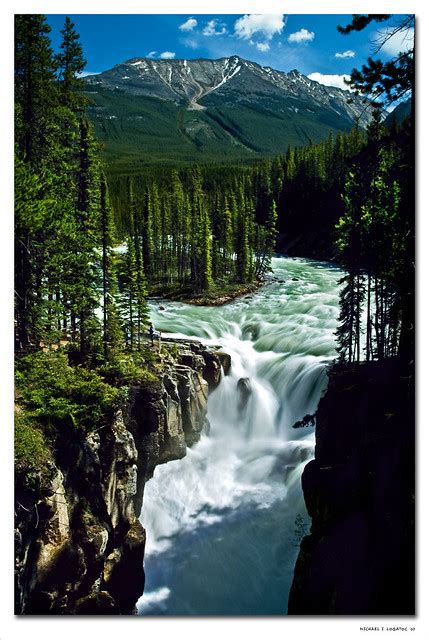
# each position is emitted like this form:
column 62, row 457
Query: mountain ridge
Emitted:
column 187, row 72
column 213, row 109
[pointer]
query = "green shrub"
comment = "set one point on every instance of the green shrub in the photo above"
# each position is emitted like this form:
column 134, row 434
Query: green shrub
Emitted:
column 128, row 369
column 171, row 352
column 32, row 451
column 54, row 393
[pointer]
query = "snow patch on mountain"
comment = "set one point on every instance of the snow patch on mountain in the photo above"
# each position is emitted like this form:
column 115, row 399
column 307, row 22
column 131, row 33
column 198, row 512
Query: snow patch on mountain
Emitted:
column 233, row 79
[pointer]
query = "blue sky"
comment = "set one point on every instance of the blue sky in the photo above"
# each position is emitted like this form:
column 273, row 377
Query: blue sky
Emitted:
column 309, row 43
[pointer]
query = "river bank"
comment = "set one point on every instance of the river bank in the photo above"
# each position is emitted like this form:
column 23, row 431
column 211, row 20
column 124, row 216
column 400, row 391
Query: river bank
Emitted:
column 217, row 296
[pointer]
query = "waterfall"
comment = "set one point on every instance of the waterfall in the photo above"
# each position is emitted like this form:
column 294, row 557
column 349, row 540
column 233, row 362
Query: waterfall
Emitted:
column 221, row 523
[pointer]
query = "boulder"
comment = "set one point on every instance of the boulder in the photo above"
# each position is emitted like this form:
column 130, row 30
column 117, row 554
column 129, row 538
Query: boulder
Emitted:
column 212, row 369
column 225, row 360
column 244, row 389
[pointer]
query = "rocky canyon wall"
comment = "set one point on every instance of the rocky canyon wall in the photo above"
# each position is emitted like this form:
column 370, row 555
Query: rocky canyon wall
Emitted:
column 359, row 491
column 79, row 541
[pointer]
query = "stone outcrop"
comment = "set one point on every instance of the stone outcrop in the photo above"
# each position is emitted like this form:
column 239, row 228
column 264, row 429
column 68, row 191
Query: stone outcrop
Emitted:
column 359, row 492
column 244, row 390
column 167, row 416
column 78, row 535
column 79, row 542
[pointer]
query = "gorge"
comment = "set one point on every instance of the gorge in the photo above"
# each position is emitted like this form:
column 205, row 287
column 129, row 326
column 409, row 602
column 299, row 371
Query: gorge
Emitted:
column 224, row 524
column 235, row 495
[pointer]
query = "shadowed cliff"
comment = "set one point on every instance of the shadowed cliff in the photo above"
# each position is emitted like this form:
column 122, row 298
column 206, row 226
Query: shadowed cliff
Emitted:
column 359, row 492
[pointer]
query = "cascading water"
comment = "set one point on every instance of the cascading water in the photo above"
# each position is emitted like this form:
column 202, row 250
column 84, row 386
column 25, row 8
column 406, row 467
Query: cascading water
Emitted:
column 224, row 523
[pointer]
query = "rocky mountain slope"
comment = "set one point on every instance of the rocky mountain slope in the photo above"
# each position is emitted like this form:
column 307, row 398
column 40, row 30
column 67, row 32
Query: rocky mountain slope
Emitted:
column 188, row 110
column 399, row 113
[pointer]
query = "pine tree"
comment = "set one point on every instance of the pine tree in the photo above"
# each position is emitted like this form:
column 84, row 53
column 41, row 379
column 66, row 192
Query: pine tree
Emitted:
column 269, row 241
column 35, row 94
column 34, row 109
column 185, row 251
column 132, row 287
column 83, row 284
column 349, row 242
column 242, row 238
column 147, row 236
column 127, row 279
column 142, row 312
column 206, row 252
column 227, row 238
column 31, row 213
column 71, row 63
column 177, row 226
column 388, row 80
column 151, row 234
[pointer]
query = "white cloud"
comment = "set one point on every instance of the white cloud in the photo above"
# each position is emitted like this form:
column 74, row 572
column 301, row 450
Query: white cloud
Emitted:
column 190, row 24
column 190, row 43
column 214, row 28
column 263, row 46
column 396, row 43
column 303, row 35
column 345, row 54
column 265, row 24
column 167, row 55
column 87, row 73
column 151, row 54
column 330, row 80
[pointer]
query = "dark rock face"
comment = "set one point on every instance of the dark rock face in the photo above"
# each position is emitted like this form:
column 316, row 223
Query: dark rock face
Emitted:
column 212, row 369
column 225, row 360
column 359, row 492
column 79, row 542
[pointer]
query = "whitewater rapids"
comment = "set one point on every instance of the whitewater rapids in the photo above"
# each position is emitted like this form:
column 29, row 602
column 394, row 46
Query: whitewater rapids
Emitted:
column 224, row 523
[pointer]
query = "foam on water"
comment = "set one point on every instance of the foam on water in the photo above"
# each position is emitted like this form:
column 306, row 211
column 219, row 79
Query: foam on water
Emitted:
column 281, row 339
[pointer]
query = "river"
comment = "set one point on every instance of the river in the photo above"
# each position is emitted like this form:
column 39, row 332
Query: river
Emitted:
column 224, row 523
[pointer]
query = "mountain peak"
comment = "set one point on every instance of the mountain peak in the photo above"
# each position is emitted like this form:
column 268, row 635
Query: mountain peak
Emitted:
column 234, row 84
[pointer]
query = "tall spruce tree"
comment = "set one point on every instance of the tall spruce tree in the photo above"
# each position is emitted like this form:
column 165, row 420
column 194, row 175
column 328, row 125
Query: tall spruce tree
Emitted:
column 35, row 94
column 84, row 276
column 389, row 81
column 34, row 109
column 71, row 63
column 350, row 244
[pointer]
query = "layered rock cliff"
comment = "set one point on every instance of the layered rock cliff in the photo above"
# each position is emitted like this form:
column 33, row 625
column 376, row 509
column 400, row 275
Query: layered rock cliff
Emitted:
column 359, row 492
column 79, row 542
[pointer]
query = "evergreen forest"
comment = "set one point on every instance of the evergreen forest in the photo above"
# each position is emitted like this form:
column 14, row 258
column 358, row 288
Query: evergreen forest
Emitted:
column 91, row 244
